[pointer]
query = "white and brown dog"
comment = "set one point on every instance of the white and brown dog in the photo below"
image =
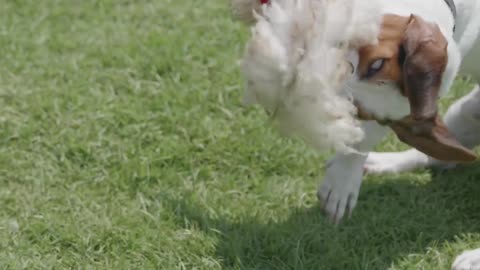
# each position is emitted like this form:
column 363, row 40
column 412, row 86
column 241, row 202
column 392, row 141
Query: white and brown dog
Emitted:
column 422, row 46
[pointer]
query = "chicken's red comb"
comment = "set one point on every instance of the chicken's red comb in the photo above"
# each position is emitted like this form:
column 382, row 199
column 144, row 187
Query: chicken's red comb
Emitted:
column 263, row 2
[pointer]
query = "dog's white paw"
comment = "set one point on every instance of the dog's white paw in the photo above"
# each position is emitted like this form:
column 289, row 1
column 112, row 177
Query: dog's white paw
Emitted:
column 469, row 260
column 395, row 162
column 339, row 191
column 338, row 200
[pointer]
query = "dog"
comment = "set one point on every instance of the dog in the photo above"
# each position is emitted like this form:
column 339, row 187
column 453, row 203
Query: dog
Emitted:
column 422, row 47
column 396, row 83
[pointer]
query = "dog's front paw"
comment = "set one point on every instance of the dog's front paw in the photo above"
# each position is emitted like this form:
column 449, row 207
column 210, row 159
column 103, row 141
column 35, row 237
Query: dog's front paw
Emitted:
column 469, row 260
column 339, row 191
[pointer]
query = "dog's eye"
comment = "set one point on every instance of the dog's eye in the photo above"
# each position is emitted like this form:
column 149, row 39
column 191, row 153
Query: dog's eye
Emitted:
column 375, row 67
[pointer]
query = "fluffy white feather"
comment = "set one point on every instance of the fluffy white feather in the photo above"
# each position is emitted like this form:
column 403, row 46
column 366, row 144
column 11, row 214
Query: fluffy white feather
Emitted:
column 296, row 65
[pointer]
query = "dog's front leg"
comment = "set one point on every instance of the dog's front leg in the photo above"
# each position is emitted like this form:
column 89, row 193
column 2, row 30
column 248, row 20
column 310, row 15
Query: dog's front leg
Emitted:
column 339, row 190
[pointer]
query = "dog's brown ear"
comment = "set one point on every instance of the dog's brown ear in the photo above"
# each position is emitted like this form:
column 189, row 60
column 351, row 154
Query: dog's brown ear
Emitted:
column 425, row 60
column 432, row 137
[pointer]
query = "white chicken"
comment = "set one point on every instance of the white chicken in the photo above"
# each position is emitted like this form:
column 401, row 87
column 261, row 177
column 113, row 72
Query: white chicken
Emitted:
column 297, row 63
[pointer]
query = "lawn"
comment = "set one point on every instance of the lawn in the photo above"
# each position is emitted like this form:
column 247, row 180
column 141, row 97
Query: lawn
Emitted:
column 124, row 145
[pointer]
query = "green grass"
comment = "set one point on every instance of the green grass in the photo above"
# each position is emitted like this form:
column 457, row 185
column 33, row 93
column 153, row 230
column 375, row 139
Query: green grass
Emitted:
column 124, row 145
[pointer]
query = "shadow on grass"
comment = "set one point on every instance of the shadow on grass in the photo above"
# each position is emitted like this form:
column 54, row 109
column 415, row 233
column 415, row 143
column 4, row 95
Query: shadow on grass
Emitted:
column 394, row 218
